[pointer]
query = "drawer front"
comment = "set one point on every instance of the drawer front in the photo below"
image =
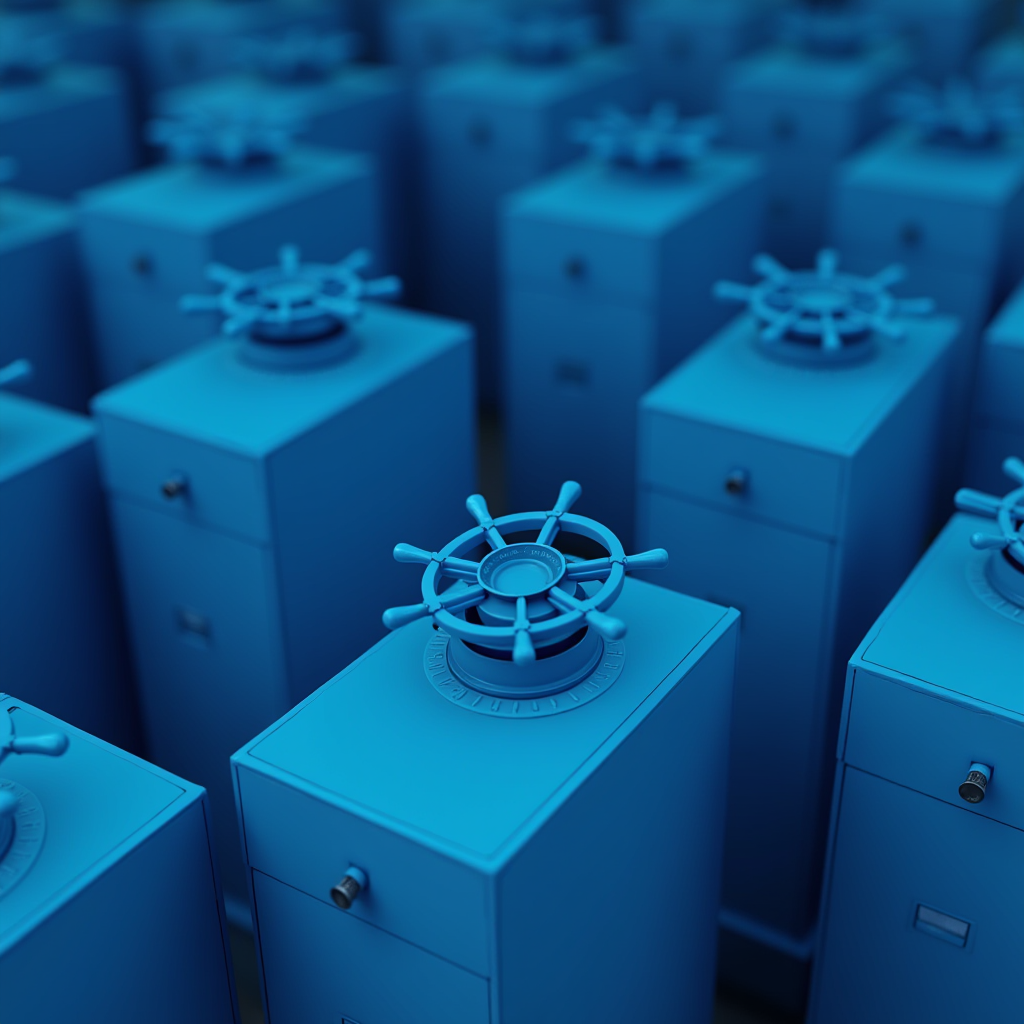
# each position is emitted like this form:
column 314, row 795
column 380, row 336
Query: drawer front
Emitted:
column 413, row 892
column 929, row 744
column 742, row 473
column 136, row 254
column 575, row 260
column 184, row 478
column 203, row 612
column 927, row 902
column 900, row 224
column 323, row 966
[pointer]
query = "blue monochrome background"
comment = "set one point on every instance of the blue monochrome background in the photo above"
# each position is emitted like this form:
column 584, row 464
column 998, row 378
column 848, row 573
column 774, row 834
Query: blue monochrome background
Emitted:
column 677, row 345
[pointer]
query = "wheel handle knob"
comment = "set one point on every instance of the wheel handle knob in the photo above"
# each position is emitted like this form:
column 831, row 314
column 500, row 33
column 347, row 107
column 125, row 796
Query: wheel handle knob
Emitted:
column 972, row 789
column 347, row 891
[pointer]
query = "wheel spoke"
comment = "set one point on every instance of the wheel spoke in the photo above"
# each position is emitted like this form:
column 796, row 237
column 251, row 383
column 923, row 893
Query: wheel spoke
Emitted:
column 522, row 649
column 568, row 495
column 477, row 506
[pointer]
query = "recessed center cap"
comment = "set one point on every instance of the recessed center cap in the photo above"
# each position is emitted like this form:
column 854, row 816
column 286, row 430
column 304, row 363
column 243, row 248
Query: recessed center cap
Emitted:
column 521, row 570
column 292, row 290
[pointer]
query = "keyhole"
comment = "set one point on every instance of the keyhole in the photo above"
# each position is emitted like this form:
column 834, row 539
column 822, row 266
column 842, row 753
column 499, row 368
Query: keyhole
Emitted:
column 911, row 234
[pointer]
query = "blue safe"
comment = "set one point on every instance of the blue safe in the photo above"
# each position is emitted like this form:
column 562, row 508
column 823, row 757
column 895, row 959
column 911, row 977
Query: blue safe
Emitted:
column 800, row 446
column 110, row 906
column 62, row 641
column 307, row 76
column 943, row 33
column 805, row 105
column 148, row 238
column 182, row 41
column 607, row 272
column 924, row 893
column 421, row 34
column 42, row 300
column 512, row 813
column 68, row 126
column 488, row 127
column 251, row 481
column 997, row 426
column 944, row 195
column 683, row 47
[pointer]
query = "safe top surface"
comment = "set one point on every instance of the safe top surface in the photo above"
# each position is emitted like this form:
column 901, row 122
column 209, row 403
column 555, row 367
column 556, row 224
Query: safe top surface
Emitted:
column 941, row 631
column 505, row 83
column 731, row 382
column 94, row 798
column 26, row 218
column 379, row 736
column 592, row 194
column 902, row 161
column 211, row 394
column 192, row 199
column 31, row 432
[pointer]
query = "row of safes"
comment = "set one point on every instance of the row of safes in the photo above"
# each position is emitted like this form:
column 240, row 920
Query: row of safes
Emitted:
column 615, row 255
column 943, row 193
column 522, row 813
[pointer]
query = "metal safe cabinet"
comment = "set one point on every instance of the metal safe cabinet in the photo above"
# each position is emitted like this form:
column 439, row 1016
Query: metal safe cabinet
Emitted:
column 110, row 908
column 943, row 33
column 181, row 41
column 67, row 125
column 308, row 76
column 512, row 816
column 62, row 641
column 945, row 197
column 608, row 268
column 805, row 106
column 683, row 47
column 241, row 193
column 924, row 893
column 254, row 484
column 488, row 127
column 42, row 304
column 998, row 424
column 800, row 445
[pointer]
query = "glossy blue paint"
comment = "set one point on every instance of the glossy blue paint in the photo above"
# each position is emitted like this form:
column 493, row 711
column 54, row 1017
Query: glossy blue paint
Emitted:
column 62, row 641
column 607, row 275
column 255, row 492
column 147, row 239
column 997, row 426
column 42, row 301
column 944, row 34
column 182, row 41
column 953, row 215
column 512, row 859
column 805, row 111
column 67, row 125
column 356, row 108
column 923, row 892
column 488, row 127
column 801, row 476
column 121, row 896
column 683, row 46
